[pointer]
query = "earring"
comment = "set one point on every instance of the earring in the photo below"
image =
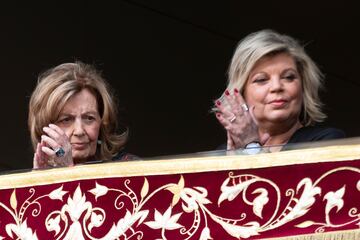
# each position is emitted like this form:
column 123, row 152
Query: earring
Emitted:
column 99, row 142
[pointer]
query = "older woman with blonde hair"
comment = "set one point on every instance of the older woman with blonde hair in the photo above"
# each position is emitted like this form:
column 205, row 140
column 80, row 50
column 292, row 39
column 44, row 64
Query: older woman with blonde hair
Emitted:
column 272, row 97
column 73, row 118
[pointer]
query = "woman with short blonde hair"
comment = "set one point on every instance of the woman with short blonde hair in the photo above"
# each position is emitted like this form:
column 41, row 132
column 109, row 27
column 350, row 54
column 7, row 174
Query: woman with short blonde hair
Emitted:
column 272, row 97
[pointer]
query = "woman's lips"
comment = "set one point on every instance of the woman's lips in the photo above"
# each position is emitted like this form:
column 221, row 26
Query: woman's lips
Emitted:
column 79, row 146
column 278, row 103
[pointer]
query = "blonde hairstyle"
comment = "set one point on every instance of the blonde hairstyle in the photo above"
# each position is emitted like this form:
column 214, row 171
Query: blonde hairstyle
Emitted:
column 56, row 86
column 268, row 42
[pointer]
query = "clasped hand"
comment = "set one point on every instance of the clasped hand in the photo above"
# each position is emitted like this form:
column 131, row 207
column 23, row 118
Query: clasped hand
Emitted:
column 45, row 155
column 238, row 120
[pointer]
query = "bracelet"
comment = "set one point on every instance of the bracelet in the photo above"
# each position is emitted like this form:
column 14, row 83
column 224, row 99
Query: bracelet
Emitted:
column 252, row 148
column 253, row 144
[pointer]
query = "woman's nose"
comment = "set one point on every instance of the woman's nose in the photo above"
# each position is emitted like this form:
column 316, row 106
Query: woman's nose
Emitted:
column 276, row 84
column 78, row 128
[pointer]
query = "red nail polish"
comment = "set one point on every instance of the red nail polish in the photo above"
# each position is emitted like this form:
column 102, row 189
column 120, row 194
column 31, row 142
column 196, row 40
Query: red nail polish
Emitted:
column 236, row 90
column 227, row 92
column 218, row 103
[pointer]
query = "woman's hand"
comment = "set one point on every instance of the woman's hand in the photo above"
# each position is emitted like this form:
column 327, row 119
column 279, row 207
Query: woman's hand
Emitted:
column 239, row 121
column 54, row 150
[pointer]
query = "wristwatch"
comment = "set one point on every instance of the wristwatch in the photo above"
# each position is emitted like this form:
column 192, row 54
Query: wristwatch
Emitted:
column 252, row 148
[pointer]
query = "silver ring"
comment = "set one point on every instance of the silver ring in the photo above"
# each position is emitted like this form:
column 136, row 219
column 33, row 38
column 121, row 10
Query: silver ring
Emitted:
column 59, row 152
column 231, row 120
column 245, row 107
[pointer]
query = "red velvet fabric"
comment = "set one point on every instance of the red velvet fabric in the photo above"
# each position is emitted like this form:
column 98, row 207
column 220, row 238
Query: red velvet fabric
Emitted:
column 252, row 204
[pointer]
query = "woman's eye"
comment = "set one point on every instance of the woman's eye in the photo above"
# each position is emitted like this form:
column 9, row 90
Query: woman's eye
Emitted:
column 89, row 118
column 290, row 77
column 259, row 80
column 64, row 120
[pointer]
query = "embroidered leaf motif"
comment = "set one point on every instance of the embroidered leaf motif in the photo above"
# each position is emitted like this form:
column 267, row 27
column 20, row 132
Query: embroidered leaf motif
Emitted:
column 13, row 201
column 306, row 200
column 205, row 234
column 96, row 220
column 176, row 190
column 130, row 219
column 125, row 223
column 9, row 229
column 57, row 193
column 53, row 224
column 334, row 199
column 260, row 201
column 191, row 199
column 144, row 189
column 77, row 204
column 165, row 221
column 231, row 192
column 201, row 198
column 142, row 215
column 22, row 231
column 99, row 190
column 246, row 231
column 305, row 224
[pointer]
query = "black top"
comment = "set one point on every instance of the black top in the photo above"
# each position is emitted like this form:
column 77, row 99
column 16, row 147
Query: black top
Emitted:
column 125, row 156
column 309, row 134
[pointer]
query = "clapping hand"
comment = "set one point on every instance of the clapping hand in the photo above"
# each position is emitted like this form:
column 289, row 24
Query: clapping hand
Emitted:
column 238, row 120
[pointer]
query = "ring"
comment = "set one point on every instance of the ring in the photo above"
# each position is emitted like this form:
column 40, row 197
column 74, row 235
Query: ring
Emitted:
column 245, row 107
column 59, row 152
column 231, row 120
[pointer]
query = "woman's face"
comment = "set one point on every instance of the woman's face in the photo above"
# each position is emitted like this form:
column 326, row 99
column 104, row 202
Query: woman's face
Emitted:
column 274, row 87
column 80, row 120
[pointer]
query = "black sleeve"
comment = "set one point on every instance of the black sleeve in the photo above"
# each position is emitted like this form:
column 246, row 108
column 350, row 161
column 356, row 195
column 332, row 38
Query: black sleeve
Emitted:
column 311, row 134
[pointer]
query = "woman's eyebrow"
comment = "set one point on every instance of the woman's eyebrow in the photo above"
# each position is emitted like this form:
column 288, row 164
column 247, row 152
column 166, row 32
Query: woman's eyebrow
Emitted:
column 90, row 112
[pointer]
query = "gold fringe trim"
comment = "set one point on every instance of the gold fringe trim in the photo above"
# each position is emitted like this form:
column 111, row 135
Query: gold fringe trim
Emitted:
column 336, row 235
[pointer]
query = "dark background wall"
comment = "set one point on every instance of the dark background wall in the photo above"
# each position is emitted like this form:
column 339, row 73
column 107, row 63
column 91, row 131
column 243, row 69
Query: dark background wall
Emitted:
column 167, row 61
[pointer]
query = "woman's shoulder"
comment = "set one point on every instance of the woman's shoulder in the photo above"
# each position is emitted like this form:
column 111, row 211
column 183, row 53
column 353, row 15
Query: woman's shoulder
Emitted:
column 316, row 133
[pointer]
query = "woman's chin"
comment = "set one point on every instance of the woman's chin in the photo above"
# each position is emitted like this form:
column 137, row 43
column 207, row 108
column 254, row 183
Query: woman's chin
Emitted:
column 80, row 157
column 282, row 118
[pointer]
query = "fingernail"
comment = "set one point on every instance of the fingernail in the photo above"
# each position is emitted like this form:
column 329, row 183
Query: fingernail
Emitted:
column 227, row 92
column 236, row 90
column 218, row 115
column 218, row 103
